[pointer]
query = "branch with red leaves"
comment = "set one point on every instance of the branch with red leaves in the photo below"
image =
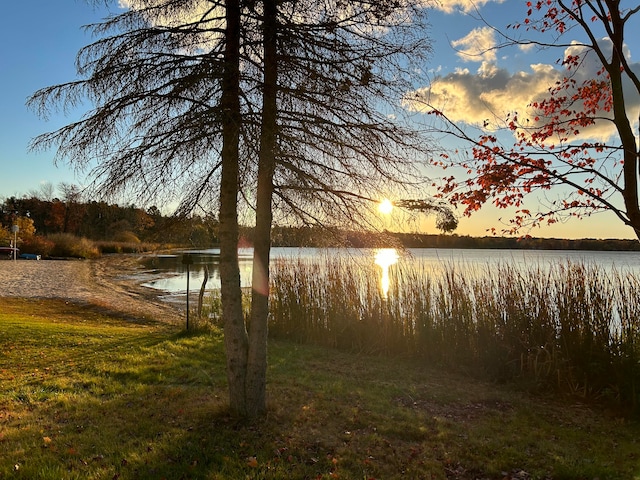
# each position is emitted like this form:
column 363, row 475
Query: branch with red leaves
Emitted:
column 551, row 146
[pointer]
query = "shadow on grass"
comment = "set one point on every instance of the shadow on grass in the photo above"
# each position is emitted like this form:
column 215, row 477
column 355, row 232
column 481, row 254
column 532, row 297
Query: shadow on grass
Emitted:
column 136, row 402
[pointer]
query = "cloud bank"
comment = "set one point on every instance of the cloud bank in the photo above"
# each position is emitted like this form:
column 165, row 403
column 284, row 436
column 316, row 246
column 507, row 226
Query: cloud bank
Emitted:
column 487, row 96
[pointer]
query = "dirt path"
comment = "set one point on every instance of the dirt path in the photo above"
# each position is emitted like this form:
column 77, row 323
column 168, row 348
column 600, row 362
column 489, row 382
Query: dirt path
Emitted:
column 108, row 283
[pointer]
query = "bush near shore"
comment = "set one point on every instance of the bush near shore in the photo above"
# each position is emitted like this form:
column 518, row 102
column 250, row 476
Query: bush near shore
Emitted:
column 571, row 328
column 67, row 245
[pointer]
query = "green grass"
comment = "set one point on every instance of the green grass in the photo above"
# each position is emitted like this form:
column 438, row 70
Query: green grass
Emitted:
column 88, row 396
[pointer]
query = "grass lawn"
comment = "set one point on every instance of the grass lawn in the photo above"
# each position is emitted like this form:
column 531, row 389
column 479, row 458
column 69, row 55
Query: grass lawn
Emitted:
column 88, row 396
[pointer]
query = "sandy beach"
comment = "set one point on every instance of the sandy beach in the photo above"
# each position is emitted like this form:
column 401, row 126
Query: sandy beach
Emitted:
column 108, row 283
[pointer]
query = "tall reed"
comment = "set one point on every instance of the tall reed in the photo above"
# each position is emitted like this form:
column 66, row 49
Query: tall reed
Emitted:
column 571, row 327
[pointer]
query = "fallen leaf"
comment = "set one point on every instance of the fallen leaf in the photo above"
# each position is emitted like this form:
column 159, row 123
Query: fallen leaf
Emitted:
column 252, row 462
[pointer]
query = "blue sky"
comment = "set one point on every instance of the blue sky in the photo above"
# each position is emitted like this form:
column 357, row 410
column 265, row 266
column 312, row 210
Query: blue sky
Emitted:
column 38, row 43
column 39, row 40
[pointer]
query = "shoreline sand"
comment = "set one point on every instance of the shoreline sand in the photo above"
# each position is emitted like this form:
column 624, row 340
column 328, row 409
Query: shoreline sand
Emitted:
column 108, row 283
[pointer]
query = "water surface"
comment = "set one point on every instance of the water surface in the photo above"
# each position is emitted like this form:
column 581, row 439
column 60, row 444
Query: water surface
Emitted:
column 172, row 277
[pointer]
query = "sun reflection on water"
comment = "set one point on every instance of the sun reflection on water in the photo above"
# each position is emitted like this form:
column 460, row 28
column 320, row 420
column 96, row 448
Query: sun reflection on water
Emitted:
column 385, row 257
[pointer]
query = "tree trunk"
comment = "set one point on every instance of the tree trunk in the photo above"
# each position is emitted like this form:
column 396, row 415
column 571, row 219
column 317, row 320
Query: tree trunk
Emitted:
column 258, row 326
column 235, row 334
column 621, row 120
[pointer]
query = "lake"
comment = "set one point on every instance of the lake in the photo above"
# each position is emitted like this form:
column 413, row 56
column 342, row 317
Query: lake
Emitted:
column 170, row 274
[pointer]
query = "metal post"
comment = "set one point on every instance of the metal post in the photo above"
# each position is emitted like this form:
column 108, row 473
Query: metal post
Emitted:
column 15, row 229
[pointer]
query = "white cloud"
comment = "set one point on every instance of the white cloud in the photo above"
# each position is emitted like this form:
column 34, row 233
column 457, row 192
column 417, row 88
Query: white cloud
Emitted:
column 477, row 45
column 492, row 93
column 476, row 98
column 527, row 47
column 452, row 6
column 196, row 11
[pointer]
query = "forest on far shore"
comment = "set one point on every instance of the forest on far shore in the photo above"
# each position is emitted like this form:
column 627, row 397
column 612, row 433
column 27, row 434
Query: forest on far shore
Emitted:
column 101, row 221
column 316, row 237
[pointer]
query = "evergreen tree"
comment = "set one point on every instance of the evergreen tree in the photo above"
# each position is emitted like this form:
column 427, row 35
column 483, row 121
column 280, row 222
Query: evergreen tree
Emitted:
column 285, row 108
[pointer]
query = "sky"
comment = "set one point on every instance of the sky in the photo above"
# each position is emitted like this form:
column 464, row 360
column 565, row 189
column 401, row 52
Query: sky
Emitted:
column 39, row 40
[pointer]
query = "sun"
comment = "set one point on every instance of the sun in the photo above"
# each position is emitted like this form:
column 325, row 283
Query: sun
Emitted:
column 385, row 206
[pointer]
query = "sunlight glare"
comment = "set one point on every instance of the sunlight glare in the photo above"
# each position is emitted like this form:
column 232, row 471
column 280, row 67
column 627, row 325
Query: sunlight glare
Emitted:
column 385, row 257
column 385, row 206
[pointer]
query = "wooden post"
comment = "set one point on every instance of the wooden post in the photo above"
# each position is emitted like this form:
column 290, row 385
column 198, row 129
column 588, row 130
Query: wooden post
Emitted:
column 187, row 260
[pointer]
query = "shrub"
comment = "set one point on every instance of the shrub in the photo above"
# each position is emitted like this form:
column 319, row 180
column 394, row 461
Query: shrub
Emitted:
column 37, row 245
column 126, row 237
column 106, row 247
column 68, row 245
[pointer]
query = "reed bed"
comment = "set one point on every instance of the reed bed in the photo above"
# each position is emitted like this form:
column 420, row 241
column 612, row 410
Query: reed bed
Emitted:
column 573, row 328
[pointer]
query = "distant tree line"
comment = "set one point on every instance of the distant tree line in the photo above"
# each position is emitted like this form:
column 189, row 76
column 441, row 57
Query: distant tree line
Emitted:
column 102, row 221
column 315, row 237
column 515, row 243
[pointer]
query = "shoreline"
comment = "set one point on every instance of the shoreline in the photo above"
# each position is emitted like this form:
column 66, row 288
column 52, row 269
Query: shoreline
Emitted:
column 108, row 283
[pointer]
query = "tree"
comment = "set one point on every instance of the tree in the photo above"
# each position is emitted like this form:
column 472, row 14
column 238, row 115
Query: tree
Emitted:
column 267, row 151
column 74, row 209
column 39, row 210
column 183, row 88
column 235, row 330
column 46, row 192
column 577, row 139
column 26, row 227
column 15, row 211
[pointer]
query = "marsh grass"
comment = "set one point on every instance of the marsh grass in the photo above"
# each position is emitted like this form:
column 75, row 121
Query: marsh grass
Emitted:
column 126, row 246
column 573, row 328
column 69, row 245
column 87, row 396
